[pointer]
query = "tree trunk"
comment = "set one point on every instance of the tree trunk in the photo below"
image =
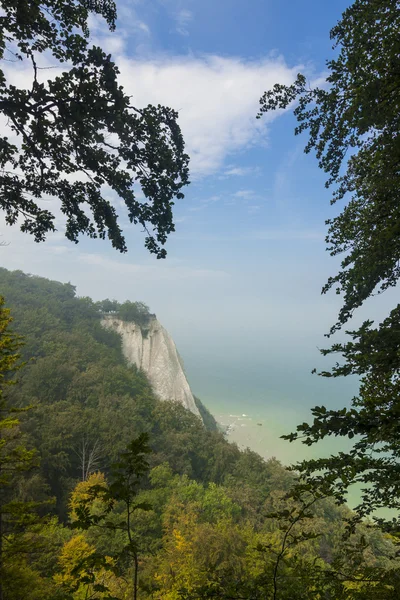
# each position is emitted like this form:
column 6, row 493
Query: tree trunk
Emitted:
column 135, row 578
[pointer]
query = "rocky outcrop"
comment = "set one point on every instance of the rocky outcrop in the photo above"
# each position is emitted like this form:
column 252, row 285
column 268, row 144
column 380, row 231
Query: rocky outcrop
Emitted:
column 151, row 348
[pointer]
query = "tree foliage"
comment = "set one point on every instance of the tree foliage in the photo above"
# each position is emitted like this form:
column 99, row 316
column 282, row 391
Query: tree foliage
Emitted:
column 353, row 126
column 195, row 517
column 76, row 137
column 134, row 311
column 88, row 399
column 21, row 527
column 126, row 476
column 137, row 312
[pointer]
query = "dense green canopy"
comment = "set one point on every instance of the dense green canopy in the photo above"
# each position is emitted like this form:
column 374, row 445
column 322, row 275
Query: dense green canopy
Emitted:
column 194, row 518
column 76, row 137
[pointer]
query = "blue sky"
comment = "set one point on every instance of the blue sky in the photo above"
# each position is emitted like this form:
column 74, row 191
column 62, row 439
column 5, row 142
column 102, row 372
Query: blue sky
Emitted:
column 241, row 284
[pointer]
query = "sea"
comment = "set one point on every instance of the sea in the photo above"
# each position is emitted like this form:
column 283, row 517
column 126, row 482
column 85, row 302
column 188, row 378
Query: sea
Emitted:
column 256, row 402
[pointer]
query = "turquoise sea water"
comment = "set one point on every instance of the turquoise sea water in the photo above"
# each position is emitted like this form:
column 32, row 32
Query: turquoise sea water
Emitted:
column 262, row 400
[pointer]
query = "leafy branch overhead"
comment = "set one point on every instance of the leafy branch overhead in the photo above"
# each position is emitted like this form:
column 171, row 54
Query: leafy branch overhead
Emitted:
column 77, row 137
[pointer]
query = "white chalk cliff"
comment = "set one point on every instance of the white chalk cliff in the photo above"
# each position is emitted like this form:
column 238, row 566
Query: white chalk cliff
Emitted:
column 153, row 350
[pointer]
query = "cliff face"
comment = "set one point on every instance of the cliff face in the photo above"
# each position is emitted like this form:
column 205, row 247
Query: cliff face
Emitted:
column 152, row 349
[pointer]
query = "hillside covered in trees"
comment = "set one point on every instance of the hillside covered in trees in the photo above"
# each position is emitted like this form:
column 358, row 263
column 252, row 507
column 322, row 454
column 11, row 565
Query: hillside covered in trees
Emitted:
column 109, row 493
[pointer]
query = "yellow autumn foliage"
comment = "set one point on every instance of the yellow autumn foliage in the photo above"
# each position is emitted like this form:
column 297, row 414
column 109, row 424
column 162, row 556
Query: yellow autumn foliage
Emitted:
column 83, row 493
column 73, row 567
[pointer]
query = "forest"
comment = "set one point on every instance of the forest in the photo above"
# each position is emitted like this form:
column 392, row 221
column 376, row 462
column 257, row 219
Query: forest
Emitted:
column 108, row 492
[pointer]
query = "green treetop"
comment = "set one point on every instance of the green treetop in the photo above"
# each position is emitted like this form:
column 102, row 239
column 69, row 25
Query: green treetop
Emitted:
column 78, row 133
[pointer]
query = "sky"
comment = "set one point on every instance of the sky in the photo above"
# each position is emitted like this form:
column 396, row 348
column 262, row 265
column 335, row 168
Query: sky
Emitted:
column 240, row 288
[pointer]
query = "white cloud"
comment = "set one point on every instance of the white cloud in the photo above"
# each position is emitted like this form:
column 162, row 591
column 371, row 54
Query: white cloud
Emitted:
column 143, row 27
column 253, row 209
column 129, row 25
column 272, row 235
column 240, row 171
column 246, row 194
column 180, row 13
column 155, row 272
column 216, row 97
column 205, row 203
column 96, row 274
column 183, row 18
column 288, row 235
